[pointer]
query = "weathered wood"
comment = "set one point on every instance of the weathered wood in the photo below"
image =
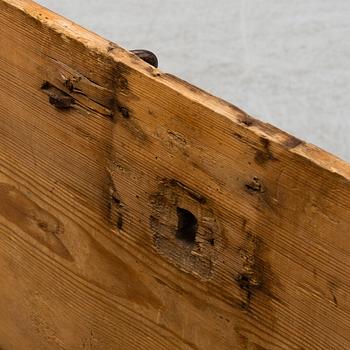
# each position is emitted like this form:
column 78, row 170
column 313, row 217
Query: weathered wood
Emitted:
column 138, row 212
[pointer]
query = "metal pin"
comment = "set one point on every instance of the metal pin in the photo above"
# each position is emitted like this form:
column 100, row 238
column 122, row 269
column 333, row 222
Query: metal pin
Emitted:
column 147, row 56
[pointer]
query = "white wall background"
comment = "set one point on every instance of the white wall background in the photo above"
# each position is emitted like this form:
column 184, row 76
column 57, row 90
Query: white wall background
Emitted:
column 286, row 62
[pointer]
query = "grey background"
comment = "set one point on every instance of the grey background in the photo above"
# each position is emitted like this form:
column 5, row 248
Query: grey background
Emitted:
column 285, row 62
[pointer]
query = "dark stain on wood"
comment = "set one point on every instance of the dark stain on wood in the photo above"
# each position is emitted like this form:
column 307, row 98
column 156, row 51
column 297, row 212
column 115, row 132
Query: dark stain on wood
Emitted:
column 265, row 155
column 124, row 112
column 256, row 188
column 116, row 206
column 256, row 280
column 57, row 97
column 249, row 279
column 120, row 71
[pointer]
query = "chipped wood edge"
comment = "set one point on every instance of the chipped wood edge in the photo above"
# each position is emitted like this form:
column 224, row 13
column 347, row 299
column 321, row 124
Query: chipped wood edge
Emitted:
column 98, row 44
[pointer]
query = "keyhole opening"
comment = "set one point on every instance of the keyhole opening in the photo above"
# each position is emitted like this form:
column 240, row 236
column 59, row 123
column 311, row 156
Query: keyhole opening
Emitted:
column 187, row 226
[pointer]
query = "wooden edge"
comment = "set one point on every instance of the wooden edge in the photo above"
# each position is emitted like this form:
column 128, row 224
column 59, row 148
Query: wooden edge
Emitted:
column 92, row 41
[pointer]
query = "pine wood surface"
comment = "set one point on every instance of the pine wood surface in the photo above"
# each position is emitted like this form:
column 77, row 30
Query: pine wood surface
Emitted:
column 104, row 162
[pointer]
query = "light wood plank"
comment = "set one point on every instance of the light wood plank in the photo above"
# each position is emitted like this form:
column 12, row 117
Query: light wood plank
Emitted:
column 92, row 197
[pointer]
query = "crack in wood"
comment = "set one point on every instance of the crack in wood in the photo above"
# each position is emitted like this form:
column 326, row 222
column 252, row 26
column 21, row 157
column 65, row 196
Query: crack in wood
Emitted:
column 85, row 93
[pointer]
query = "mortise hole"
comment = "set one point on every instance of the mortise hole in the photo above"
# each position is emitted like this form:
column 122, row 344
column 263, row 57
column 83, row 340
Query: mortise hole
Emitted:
column 187, row 225
column 211, row 241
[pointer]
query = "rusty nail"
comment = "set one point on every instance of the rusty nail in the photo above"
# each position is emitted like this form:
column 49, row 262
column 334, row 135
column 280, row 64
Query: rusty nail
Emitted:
column 147, row 56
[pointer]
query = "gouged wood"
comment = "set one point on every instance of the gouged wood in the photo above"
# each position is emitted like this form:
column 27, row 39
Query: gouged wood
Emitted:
column 81, row 89
column 93, row 197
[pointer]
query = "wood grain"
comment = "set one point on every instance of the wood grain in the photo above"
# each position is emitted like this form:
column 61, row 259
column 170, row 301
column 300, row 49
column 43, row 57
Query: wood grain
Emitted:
column 97, row 196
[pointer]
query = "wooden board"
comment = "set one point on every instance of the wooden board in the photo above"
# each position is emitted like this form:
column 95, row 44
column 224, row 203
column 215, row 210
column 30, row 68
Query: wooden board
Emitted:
column 147, row 214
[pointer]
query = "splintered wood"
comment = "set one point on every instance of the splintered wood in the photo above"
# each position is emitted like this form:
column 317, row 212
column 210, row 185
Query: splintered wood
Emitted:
column 139, row 212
